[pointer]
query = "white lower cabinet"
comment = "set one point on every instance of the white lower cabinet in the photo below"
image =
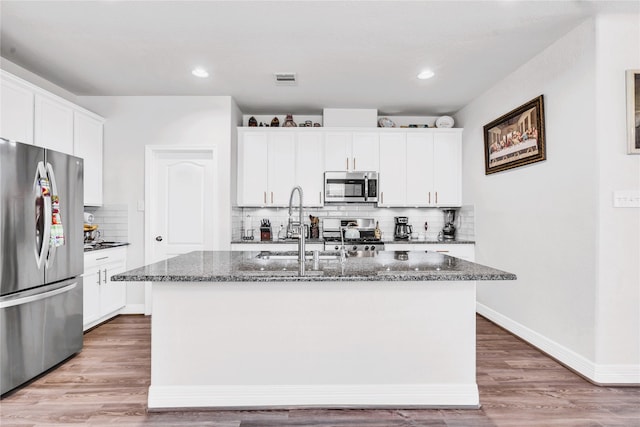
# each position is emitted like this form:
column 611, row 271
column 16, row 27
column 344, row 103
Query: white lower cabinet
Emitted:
column 102, row 298
column 465, row 251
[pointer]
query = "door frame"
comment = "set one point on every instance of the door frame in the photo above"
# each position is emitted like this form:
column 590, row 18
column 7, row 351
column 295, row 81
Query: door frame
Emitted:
column 150, row 153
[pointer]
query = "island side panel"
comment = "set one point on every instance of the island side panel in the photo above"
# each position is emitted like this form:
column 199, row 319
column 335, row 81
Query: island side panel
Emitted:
column 338, row 344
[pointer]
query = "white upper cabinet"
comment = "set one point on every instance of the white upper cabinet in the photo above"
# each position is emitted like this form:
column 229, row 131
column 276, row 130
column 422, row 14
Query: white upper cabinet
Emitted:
column 421, row 168
column 266, row 167
column 252, row 168
column 310, row 168
column 16, row 110
column 32, row 115
column 393, row 176
column 447, row 168
column 337, row 154
column 281, row 167
column 365, row 151
column 350, row 151
column 53, row 124
column 419, row 165
column 87, row 143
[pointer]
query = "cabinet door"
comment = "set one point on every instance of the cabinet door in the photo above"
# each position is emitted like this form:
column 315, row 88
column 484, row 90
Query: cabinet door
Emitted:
column 447, row 151
column 419, row 162
column 281, row 168
column 16, row 111
column 113, row 295
column 252, row 168
column 310, row 167
column 53, row 124
column 337, row 151
column 87, row 143
column 91, row 295
column 365, row 151
column 393, row 175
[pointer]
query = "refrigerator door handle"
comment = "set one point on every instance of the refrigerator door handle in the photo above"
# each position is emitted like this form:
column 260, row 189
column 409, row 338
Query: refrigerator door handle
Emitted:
column 17, row 300
column 54, row 192
column 41, row 172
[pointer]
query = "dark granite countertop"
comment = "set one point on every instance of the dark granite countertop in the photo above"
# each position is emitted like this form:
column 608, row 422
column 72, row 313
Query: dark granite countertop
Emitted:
column 228, row 266
column 430, row 242
column 104, row 245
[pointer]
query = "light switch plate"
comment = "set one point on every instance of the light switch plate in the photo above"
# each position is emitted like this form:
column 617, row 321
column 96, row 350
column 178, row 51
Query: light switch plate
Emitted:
column 626, row 199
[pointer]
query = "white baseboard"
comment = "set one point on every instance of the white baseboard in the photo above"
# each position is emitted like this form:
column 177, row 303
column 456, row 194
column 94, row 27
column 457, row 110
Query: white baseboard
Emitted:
column 597, row 373
column 324, row 396
column 133, row 309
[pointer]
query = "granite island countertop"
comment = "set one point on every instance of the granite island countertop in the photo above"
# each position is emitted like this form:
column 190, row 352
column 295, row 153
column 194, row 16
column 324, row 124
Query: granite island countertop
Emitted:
column 385, row 266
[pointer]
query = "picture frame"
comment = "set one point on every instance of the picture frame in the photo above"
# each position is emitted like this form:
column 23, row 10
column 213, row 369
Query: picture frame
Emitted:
column 633, row 111
column 516, row 138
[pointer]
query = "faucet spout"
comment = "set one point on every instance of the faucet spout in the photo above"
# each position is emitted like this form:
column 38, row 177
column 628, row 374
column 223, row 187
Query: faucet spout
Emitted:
column 299, row 225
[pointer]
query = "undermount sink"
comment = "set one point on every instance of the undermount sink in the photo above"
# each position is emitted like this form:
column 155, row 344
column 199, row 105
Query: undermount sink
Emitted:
column 271, row 256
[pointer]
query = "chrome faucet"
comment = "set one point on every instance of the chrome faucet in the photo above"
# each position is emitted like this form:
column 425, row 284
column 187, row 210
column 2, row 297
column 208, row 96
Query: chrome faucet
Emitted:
column 292, row 226
column 343, row 251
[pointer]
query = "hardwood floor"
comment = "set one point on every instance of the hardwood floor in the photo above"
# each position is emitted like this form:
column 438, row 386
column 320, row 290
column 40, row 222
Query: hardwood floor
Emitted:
column 106, row 384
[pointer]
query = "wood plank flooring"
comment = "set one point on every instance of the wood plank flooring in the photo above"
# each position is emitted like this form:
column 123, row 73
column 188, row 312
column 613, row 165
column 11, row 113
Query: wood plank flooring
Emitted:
column 106, row 384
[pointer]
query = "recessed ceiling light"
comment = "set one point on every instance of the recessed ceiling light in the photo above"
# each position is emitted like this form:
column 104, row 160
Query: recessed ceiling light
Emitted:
column 200, row 72
column 426, row 74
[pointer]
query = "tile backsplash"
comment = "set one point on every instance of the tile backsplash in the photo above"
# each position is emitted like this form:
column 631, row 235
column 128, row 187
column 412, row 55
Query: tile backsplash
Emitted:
column 434, row 217
column 112, row 220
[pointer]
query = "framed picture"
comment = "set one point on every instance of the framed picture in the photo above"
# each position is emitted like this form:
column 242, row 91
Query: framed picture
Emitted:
column 515, row 139
column 633, row 111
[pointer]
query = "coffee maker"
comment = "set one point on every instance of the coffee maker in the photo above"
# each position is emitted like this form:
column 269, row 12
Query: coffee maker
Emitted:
column 403, row 229
column 449, row 230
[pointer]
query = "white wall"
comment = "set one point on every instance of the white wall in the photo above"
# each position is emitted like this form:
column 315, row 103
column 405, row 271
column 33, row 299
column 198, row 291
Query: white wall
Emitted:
column 618, row 288
column 132, row 122
column 547, row 222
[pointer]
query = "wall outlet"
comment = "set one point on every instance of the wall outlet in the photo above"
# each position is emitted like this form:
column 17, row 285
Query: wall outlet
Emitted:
column 626, row 199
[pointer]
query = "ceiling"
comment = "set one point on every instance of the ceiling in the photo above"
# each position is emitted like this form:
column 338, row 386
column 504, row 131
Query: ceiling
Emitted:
column 349, row 54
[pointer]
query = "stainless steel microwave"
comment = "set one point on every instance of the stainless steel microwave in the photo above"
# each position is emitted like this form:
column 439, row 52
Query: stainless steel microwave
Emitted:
column 351, row 187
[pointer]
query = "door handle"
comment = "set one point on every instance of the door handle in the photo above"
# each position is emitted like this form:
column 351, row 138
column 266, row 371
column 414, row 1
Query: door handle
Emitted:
column 105, row 276
column 158, row 238
column 13, row 300
column 354, row 164
column 382, row 197
column 429, row 197
column 272, row 197
column 99, row 276
column 347, row 163
column 436, row 197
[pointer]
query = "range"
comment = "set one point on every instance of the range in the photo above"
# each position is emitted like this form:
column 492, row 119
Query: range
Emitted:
column 358, row 234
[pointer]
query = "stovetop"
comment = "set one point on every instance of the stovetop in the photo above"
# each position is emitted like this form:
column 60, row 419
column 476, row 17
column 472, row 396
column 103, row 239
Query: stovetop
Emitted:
column 352, row 241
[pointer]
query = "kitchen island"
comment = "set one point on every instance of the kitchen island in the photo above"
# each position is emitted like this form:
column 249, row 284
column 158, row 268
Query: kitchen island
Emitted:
column 244, row 330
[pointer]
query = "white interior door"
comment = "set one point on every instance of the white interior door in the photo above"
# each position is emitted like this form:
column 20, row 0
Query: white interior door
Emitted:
column 180, row 201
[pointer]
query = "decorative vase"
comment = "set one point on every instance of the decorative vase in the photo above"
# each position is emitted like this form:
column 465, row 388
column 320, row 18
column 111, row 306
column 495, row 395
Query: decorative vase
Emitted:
column 288, row 122
column 275, row 122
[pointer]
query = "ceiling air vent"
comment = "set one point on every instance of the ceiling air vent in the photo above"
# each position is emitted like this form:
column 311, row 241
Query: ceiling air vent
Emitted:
column 285, row 79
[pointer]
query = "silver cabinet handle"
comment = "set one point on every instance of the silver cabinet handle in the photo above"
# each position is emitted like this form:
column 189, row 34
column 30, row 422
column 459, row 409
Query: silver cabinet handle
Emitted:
column 354, row 164
column 272, row 197
column 320, row 197
column 158, row 238
column 105, row 276
column 347, row 163
column 99, row 276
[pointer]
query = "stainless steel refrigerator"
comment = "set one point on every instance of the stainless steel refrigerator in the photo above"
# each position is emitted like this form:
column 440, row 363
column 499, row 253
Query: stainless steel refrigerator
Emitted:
column 41, row 260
